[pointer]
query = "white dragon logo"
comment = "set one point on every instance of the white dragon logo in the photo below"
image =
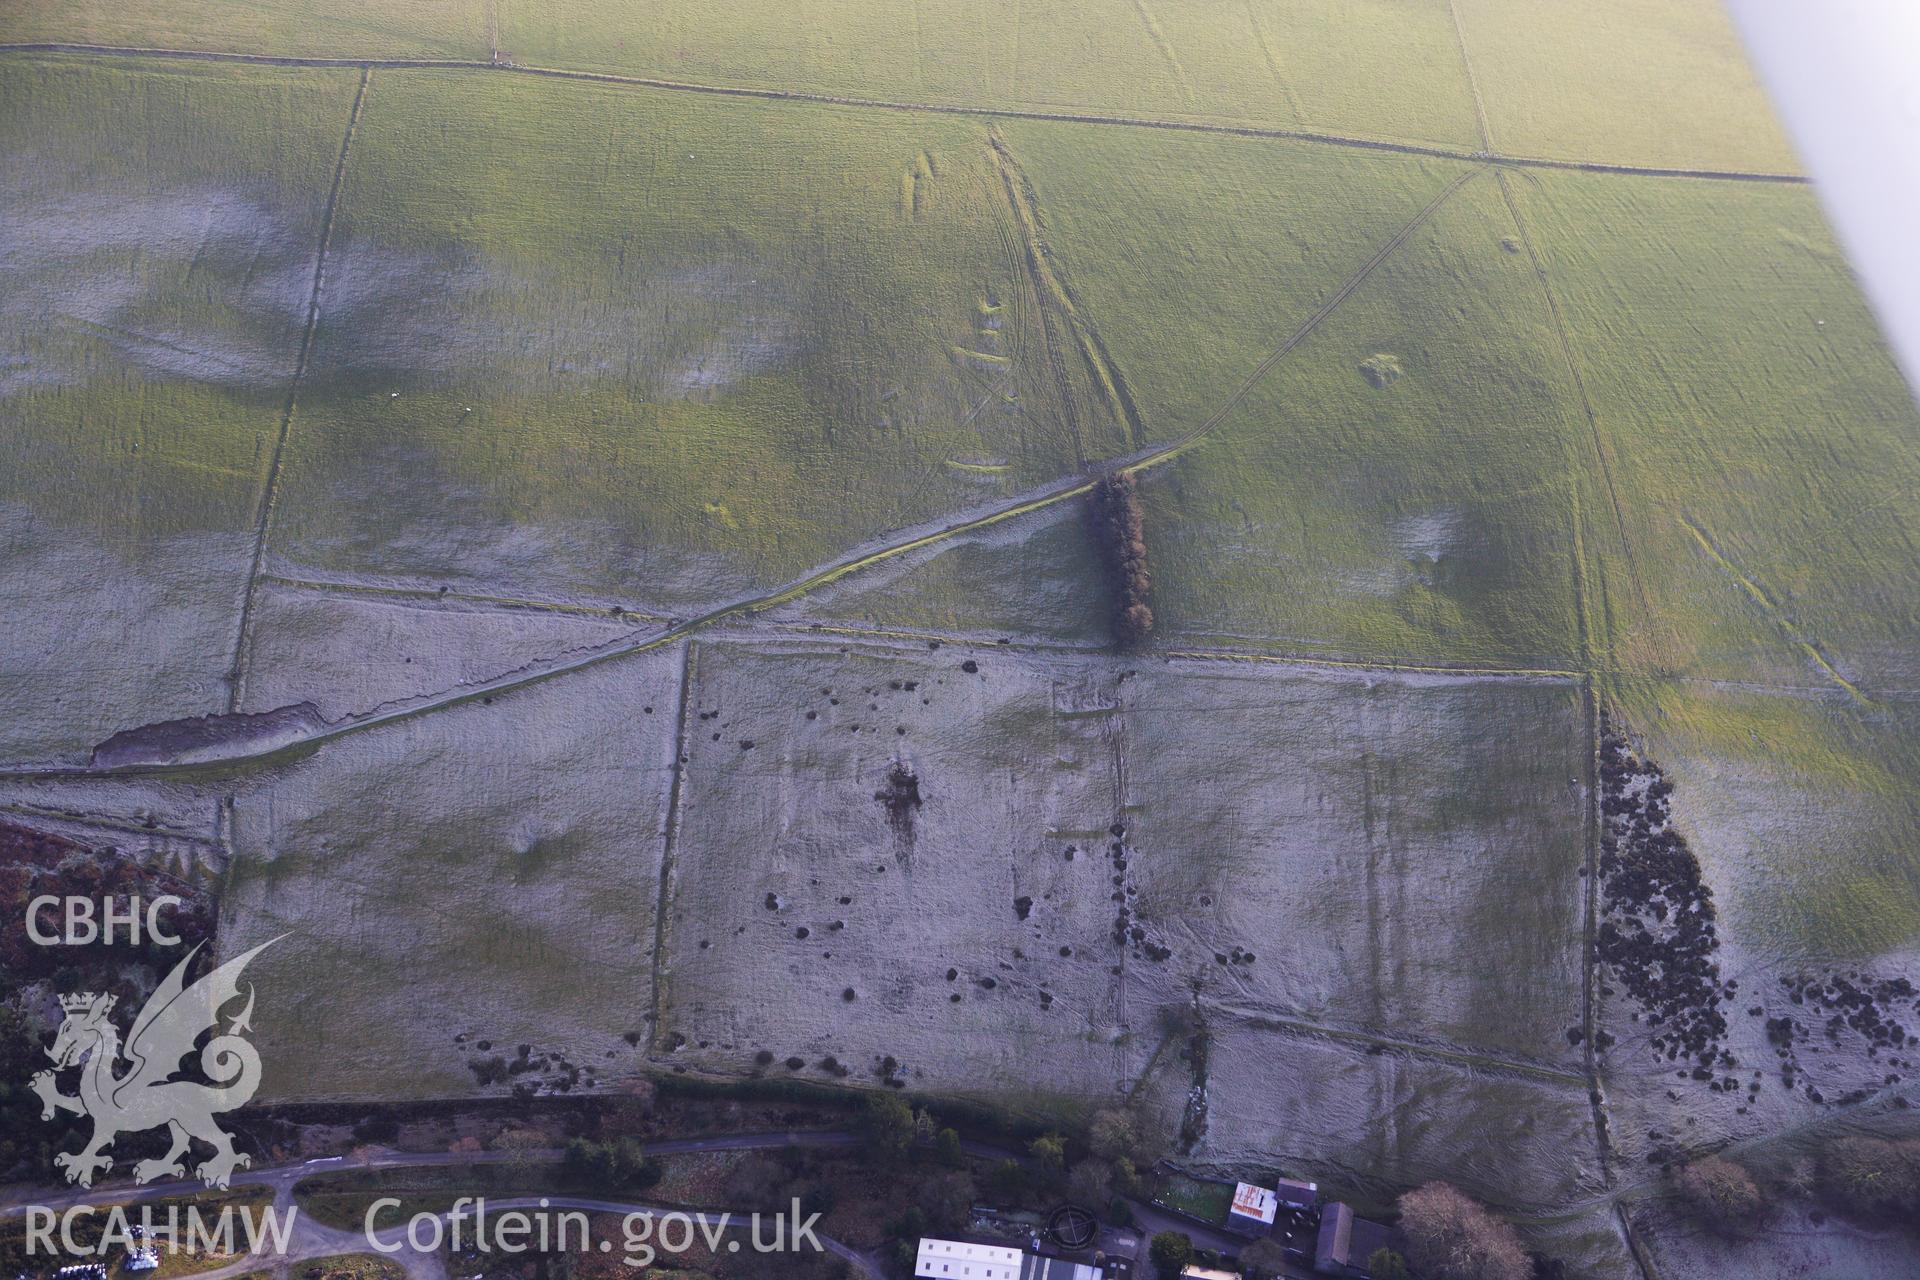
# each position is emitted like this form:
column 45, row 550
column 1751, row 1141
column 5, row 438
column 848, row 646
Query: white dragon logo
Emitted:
column 146, row 1096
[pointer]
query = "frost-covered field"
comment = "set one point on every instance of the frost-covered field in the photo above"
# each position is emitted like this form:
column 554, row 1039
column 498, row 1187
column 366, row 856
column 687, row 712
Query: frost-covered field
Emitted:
column 486, row 874
column 1327, row 865
column 644, row 523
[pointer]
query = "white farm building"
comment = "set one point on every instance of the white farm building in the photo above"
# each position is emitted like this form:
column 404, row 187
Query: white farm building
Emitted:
column 958, row 1260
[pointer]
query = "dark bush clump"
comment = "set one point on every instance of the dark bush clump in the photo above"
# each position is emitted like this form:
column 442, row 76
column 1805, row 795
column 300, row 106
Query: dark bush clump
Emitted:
column 380, row 1128
column 1171, row 1252
column 1657, row 930
column 488, row 1070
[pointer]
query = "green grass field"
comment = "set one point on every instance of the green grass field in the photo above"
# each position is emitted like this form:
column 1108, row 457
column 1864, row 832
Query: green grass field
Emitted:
column 666, row 363
column 1759, row 435
column 1654, row 82
column 287, row 28
column 1207, row 1201
column 1373, row 68
column 160, row 232
column 1195, row 257
column 1650, row 82
column 1421, row 514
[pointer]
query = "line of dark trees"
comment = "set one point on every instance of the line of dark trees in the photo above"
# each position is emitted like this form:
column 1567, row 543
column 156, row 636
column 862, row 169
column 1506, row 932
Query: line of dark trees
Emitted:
column 1870, row 1180
column 1122, row 536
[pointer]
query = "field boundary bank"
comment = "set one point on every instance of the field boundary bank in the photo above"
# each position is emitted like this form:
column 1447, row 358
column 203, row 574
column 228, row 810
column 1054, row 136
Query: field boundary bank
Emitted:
column 1370, row 1043
column 453, row 600
column 1598, row 437
column 670, row 830
column 1591, row 653
column 1590, row 930
column 106, row 822
column 270, row 489
column 1765, row 601
column 890, row 639
column 1320, row 137
column 1473, row 81
column 802, row 627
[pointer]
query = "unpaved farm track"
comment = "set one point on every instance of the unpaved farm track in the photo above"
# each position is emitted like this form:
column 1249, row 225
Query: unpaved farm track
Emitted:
column 931, row 108
column 1056, row 491
column 1314, row 321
